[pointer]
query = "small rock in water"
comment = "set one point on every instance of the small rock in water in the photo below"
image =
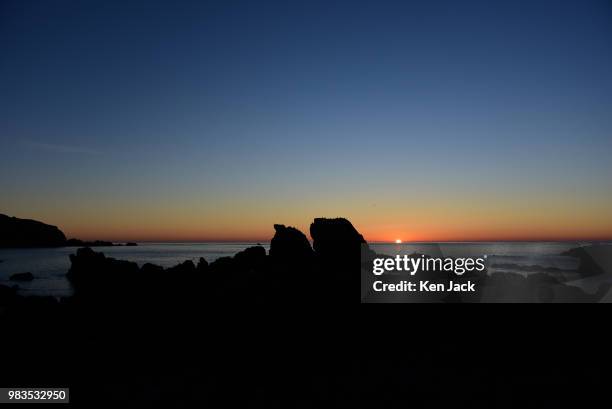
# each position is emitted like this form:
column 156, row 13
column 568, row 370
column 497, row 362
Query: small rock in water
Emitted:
column 22, row 277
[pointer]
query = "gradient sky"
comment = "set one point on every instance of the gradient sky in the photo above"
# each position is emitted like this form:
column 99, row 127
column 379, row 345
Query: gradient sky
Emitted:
column 213, row 120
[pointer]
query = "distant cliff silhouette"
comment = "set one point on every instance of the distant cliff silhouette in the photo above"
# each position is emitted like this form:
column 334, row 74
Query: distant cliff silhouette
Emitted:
column 16, row 232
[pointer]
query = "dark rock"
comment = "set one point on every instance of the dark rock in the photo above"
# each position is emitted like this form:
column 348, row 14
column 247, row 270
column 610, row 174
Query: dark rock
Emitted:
column 338, row 248
column 183, row 270
column 202, row 265
column 97, row 275
column 22, row 277
column 130, row 244
column 335, row 239
column 151, row 270
column 251, row 258
column 16, row 232
column 223, row 265
column 290, row 247
column 289, row 274
column 7, row 295
column 594, row 259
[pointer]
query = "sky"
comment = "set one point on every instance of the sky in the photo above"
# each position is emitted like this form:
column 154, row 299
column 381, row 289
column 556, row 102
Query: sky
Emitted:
column 213, row 120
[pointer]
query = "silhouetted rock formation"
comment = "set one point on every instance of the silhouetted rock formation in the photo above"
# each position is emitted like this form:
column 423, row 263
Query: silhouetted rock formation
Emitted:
column 22, row 277
column 334, row 239
column 94, row 276
column 8, row 295
column 16, row 232
column 593, row 259
column 288, row 274
column 202, row 266
column 130, row 244
column 26, row 233
column 184, row 273
column 290, row 247
column 103, row 281
column 338, row 248
column 252, row 258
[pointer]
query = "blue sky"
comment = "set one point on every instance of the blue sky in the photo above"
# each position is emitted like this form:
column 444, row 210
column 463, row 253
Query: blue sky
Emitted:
column 186, row 114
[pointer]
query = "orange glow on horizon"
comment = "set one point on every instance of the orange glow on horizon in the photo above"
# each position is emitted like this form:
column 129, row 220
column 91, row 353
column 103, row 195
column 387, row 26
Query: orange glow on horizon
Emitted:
column 371, row 234
column 207, row 220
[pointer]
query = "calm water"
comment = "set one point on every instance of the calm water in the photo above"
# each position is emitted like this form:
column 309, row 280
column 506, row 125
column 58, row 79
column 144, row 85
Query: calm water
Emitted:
column 50, row 265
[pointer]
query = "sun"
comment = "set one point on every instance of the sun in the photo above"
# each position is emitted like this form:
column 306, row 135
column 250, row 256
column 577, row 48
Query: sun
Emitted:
column 398, row 241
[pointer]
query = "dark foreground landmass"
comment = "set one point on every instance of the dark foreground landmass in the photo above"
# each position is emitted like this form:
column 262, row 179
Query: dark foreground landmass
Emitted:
column 279, row 330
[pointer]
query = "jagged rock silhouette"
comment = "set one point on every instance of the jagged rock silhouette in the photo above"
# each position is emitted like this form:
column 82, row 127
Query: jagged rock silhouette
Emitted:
column 290, row 247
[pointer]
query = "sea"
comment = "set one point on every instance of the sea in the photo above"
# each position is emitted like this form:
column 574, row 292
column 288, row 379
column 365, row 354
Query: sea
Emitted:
column 50, row 265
